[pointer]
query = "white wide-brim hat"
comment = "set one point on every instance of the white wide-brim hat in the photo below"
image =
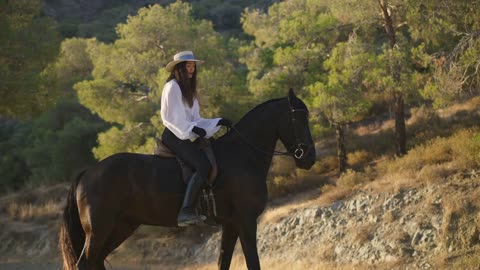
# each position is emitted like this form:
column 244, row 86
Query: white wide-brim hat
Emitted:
column 181, row 57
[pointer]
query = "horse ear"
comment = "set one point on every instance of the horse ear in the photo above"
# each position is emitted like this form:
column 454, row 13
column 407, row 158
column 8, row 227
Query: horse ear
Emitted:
column 291, row 94
column 291, row 97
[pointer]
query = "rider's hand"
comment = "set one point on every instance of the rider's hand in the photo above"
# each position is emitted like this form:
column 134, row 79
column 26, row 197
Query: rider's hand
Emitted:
column 199, row 131
column 224, row 122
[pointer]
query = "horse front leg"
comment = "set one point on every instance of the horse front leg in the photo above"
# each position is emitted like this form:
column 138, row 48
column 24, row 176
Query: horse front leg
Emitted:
column 248, row 238
column 229, row 239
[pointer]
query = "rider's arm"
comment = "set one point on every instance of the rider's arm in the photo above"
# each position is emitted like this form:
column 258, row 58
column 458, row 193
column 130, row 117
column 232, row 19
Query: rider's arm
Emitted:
column 210, row 125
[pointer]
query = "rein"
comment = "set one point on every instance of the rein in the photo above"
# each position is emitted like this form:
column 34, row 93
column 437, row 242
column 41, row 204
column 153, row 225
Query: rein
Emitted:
column 275, row 153
column 298, row 153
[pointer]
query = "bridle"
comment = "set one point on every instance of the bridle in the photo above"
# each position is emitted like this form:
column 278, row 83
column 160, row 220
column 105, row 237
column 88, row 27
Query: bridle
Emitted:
column 297, row 151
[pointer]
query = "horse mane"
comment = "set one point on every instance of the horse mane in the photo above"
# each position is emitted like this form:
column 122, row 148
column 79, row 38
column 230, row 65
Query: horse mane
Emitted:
column 252, row 113
column 299, row 104
column 261, row 107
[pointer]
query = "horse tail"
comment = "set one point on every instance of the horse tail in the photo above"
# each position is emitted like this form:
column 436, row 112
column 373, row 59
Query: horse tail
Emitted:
column 72, row 237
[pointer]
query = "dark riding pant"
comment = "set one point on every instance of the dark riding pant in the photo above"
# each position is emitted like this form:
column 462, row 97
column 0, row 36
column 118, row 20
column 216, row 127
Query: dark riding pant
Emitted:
column 189, row 152
column 193, row 156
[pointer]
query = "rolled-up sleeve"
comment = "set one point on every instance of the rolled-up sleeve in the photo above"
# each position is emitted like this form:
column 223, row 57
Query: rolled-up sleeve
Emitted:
column 172, row 111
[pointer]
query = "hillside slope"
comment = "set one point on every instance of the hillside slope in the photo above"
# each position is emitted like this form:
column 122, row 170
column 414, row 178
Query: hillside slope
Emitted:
column 420, row 211
column 432, row 226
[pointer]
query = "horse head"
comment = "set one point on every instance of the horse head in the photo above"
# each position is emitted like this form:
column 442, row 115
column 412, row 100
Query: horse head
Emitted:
column 294, row 132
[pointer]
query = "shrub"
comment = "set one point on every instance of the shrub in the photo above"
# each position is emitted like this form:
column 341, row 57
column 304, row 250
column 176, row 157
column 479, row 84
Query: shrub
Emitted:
column 29, row 211
column 466, row 148
column 351, row 179
column 358, row 158
column 461, row 150
column 326, row 164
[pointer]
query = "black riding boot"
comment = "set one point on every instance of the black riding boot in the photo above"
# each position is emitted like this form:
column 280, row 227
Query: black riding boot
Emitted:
column 187, row 215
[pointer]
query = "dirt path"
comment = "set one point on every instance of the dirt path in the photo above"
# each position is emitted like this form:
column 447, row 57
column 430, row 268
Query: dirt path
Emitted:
column 28, row 266
column 57, row 266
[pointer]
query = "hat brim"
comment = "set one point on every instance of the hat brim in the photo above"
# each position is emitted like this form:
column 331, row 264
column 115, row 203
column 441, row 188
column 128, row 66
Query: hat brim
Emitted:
column 172, row 64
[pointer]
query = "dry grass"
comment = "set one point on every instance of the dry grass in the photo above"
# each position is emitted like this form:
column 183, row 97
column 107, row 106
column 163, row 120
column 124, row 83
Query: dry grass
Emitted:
column 352, row 179
column 332, row 194
column 375, row 127
column 272, row 215
column 429, row 163
column 400, row 236
column 299, row 263
column 469, row 105
column 464, row 259
column 325, row 253
column 282, row 166
column 326, row 164
column 474, row 198
column 299, row 181
column 389, row 217
column 362, row 234
column 29, row 211
column 454, row 206
column 358, row 158
column 392, row 183
column 434, row 173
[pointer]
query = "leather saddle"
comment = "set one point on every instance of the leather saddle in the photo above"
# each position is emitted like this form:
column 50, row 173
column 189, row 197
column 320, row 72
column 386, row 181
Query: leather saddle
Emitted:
column 187, row 171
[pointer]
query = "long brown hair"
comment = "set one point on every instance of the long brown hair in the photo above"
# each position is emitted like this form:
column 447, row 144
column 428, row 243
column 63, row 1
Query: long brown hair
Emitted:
column 187, row 85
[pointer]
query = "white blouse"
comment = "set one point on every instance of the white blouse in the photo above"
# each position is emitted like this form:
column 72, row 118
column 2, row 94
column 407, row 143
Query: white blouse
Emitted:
column 179, row 118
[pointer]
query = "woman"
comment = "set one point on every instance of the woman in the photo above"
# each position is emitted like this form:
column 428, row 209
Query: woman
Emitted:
column 180, row 114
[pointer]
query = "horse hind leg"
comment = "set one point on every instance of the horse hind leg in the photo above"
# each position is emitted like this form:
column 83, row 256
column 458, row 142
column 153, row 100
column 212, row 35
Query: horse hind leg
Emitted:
column 93, row 246
column 117, row 236
column 96, row 230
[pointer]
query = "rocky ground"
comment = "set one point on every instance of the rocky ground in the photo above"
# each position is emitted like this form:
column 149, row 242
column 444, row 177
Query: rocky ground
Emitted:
column 426, row 227
column 430, row 226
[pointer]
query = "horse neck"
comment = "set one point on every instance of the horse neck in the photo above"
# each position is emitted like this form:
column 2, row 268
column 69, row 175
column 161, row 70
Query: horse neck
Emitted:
column 258, row 130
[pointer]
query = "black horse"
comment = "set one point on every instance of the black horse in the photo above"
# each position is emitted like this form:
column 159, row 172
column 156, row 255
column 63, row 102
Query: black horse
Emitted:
column 109, row 201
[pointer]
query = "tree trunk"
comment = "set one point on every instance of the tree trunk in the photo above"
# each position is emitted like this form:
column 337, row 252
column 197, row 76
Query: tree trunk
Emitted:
column 400, row 131
column 341, row 152
column 388, row 22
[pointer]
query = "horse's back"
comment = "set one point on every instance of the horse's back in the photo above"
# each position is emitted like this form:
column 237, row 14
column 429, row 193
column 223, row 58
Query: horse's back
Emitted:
column 138, row 186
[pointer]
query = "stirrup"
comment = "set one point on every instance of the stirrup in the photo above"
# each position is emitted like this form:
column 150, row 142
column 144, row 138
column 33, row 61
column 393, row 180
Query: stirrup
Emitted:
column 192, row 221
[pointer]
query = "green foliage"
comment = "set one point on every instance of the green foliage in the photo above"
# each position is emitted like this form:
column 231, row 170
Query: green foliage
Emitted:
column 13, row 169
column 335, row 54
column 60, row 142
column 50, row 148
column 131, row 138
column 72, row 65
column 225, row 15
column 103, row 27
column 442, row 23
column 28, row 42
column 396, row 72
column 291, row 41
column 342, row 98
column 128, row 75
column 450, row 29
